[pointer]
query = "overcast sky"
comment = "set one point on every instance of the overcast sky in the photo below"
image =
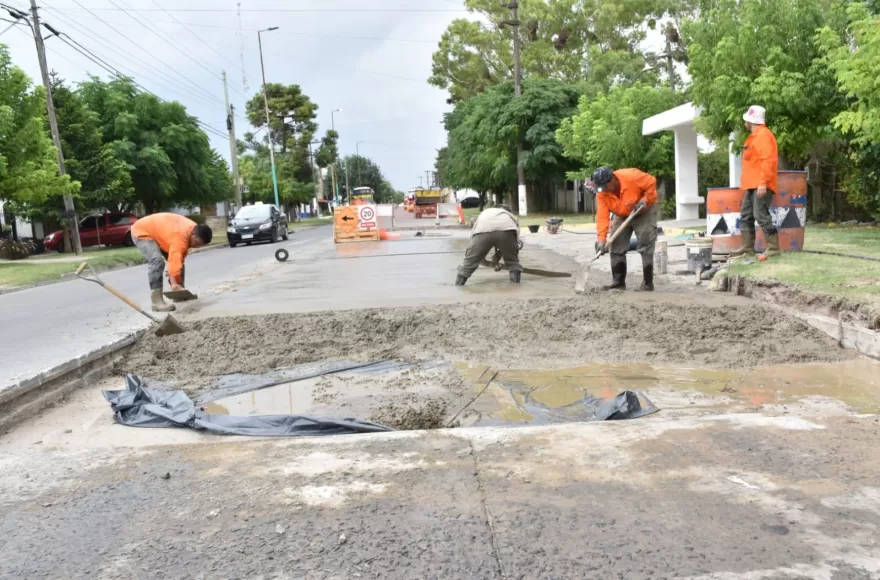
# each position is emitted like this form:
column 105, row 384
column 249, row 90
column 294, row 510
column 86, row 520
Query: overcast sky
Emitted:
column 370, row 58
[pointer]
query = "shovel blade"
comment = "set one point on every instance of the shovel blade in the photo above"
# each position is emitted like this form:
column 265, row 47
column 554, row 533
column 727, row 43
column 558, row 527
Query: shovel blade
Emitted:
column 169, row 327
column 583, row 275
column 580, row 283
column 180, row 295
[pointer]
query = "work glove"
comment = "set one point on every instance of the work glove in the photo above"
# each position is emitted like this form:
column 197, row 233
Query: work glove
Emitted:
column 639, row 207
column 601, row 247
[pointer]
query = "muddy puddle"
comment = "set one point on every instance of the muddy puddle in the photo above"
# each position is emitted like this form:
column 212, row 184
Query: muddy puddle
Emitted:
column 436, row 394
column 541, row 397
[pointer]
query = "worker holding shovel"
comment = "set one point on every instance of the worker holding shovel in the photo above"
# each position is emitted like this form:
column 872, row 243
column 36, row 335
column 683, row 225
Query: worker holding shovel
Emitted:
column 631, row 195
column 168, row 236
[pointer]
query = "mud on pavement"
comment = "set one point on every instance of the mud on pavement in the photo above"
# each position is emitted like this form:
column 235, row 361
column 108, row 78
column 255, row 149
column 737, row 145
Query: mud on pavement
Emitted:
column 707, row 331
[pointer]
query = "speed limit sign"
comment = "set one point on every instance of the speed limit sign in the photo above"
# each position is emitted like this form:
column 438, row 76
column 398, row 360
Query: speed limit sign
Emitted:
column 367, row 217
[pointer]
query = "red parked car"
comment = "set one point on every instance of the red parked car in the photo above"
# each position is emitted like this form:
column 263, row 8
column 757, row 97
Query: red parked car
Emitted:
column 110, row 229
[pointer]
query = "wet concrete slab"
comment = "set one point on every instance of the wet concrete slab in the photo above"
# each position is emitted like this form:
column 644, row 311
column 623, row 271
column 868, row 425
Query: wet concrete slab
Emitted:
column 410, row 272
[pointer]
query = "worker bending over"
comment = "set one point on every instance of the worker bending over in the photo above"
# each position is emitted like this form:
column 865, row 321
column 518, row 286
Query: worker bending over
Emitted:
column 168, row 236
column 760, row 181
column 498, row 228
column 620, row 193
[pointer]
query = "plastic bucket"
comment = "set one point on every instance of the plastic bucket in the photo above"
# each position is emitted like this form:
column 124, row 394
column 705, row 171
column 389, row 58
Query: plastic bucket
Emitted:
column 699, row 253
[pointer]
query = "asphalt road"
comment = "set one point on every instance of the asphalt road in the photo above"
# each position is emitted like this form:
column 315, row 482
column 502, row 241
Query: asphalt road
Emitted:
column 45, row 326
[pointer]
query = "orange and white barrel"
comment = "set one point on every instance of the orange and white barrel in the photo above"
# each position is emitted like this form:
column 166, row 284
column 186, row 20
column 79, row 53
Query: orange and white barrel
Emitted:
column 788, row 210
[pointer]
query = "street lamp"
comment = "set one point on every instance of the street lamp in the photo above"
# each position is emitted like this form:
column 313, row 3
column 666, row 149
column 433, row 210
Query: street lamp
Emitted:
column 333, row 166
column 268, row 121
column 357, row 148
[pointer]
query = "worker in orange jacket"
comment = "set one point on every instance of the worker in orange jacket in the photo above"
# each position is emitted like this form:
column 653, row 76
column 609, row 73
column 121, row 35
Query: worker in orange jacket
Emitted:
column 760, row 181
column 168, row 236
column 620, row 193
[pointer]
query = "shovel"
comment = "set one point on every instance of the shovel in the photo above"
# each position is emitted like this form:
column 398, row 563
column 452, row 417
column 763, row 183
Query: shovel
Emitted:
column 532, row 271
column 167, row 327
column 580, row 284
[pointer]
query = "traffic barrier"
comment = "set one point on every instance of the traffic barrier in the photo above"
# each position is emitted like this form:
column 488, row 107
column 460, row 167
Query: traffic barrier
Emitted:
column 355, row 223
column 788, row 211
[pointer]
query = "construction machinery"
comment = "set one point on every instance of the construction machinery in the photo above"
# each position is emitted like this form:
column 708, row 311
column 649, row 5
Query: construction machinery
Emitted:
column 426, row 201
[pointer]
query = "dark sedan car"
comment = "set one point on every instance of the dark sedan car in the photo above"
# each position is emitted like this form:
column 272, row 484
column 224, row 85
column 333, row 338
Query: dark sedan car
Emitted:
column 257, row 223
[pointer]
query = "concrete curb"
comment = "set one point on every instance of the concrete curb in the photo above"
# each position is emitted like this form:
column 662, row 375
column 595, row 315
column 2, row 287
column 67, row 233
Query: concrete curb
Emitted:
column 862, row 340
column 68, row 277
column 32, row 395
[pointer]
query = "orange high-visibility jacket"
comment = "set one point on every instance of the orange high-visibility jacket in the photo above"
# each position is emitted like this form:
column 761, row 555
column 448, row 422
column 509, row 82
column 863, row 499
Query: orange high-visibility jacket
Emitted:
column 171, row 232
column 634, row 186
column 760, row 161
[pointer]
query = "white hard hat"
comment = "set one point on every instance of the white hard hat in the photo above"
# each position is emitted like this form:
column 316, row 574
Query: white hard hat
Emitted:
column 755, row 115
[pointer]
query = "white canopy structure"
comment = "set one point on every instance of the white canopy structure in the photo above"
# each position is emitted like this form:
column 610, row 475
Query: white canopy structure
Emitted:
column 680, row 120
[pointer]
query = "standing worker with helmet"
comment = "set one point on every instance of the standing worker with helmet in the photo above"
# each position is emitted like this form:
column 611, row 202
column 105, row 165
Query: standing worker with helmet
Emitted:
column 167, row 236
column 760, row 182
column 498, row 228
column 621, row 193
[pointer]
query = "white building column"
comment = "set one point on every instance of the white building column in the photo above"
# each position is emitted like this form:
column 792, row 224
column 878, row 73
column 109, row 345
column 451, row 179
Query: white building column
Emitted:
column 735, row 163
column 687, row 190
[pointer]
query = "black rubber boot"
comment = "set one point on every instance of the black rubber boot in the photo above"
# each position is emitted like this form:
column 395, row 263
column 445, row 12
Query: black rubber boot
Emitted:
column 460, row 280
column 618, row 277
column 648, row 282
column 515, row 277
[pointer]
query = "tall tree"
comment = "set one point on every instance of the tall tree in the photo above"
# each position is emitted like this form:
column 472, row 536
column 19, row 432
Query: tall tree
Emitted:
column 745, row 52
column 363, row 172
column 105, row 179
column 484, row 133
column 854, row 57
column 328, row 152
column 168, row 155
column 291, row 113
column 595, row 42
column 608, row 131
column 28, row 164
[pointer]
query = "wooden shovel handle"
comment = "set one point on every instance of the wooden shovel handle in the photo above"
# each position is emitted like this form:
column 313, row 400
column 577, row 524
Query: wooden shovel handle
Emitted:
column 128, row 301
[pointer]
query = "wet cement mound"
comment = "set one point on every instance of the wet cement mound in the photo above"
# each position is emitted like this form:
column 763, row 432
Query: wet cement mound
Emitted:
column 540, row 333
column 507, row 334
column 432, row 414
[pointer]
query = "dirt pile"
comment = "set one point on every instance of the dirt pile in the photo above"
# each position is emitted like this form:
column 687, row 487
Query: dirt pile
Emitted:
column 507, row 334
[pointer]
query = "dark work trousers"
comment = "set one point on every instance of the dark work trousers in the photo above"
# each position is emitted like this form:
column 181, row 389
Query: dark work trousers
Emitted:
column 156, row 259
column 482, row 244
column 644, row 226
column 757, row 209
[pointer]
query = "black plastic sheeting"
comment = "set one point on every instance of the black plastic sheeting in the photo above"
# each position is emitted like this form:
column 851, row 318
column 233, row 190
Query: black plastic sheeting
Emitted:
column 140, row 406
column 626, row 405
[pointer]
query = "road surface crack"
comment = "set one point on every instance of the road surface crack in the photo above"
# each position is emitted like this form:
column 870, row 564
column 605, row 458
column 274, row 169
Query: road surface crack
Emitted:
column 490, row 524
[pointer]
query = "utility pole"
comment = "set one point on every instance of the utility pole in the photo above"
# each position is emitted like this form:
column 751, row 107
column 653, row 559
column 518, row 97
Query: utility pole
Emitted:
column 670, row 66
column 233, row 148
column 268, row 120
column 69, row 208
column 517, row 91
column 428, row 179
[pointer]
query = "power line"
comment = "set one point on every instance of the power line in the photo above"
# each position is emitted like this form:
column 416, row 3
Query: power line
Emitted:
column 116, row 48
column 109, row 68
column 170, row 41
column 296, row 10
column 196, row 36
column 286, row 32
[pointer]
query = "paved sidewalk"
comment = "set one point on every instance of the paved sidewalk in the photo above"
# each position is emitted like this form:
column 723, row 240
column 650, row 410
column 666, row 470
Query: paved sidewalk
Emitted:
column 710, row 497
